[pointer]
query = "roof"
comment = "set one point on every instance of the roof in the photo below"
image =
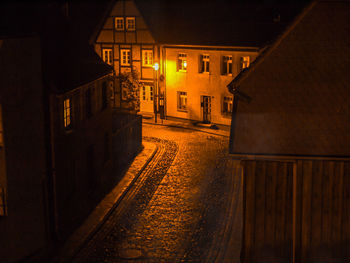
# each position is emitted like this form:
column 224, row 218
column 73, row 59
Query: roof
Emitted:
column 250, row 23
column 68, row 60
column 299, row 89
column 221, row 23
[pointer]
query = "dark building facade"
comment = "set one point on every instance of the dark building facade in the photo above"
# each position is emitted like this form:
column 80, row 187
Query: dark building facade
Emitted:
column 290, row 137
column 58, row 125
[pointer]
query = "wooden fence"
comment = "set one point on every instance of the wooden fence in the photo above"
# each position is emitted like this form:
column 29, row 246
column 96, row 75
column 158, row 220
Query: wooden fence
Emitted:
column 296, row 211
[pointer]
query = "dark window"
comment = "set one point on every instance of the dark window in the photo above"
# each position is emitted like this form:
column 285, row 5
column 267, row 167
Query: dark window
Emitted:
column 227, row 105
column 182, row 101
column 204, row 64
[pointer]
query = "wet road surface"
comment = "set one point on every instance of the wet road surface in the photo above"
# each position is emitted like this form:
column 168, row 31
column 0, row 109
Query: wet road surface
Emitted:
column 176, row 212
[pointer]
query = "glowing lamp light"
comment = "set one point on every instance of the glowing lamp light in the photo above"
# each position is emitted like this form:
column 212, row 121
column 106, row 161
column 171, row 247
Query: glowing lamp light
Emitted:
column 156, row 66
column 185, row 64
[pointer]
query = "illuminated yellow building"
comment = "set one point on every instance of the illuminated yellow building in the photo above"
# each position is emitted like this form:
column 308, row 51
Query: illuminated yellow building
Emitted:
column 196, row 60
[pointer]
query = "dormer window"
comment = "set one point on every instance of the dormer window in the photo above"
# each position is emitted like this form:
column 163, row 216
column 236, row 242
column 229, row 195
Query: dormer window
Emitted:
column 130, row 24
column 119, row 23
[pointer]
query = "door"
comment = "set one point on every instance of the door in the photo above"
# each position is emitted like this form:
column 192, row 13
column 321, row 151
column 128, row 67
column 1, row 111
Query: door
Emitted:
column 146, row 98
column 206, row 104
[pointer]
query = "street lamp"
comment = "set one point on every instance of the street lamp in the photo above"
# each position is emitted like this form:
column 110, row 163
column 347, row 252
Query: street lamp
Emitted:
column 155, row 101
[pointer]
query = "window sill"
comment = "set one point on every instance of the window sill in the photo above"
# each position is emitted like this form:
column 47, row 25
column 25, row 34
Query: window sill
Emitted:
column 182, row 110
column 227, row 114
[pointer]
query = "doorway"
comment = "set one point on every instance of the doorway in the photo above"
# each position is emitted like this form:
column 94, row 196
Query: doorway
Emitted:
column 146, row 98
column 206, row 105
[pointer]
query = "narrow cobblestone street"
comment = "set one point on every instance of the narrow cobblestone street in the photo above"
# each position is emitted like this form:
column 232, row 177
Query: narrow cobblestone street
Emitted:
column 176, row 210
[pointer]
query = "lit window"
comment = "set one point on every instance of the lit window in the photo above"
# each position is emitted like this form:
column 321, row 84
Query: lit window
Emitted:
column 67, row 113
column 147, row 58
column 182, row 100
column 130, row 23
column 204, row 64
column 107, row 55
column 227, row 105
column 182, row 62
column 244, row 62
column 227, row 65
column 119, row 23
column 125, row 57
column 104, row 95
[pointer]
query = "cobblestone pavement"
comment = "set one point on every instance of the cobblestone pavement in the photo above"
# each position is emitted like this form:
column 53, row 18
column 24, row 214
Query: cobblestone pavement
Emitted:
column 176, row 212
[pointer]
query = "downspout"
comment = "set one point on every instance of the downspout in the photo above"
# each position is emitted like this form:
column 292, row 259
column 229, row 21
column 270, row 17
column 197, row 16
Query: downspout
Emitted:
column 50, row 194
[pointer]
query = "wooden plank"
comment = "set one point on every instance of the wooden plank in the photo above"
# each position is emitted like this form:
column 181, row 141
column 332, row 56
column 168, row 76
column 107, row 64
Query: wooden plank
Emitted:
column 271, row 174
column 249, row 207
column 326, row 201
column 337, row 206
column 281, row 206
column 316, row 222
column 260, row 193
column 291, row 168
column 346, row 213
column 297, row 215
column 306, row 209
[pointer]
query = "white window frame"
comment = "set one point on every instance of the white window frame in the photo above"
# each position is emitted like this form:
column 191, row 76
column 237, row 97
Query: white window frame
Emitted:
column 245, row 62
column 125, row 57
column 182, row 101
column 227, row 65
column 205, row 61
column 182, row 62
column 144, row 91
column 227, row 105
column 119, row 26
column 107, row 55
column 67, row 113
column 130, row 24
column 147, row 57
